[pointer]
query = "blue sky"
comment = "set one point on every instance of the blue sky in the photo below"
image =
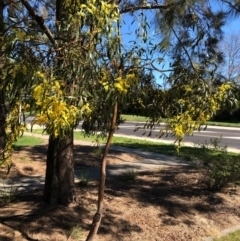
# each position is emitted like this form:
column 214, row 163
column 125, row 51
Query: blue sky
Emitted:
column 232, row 26
column 128, row 31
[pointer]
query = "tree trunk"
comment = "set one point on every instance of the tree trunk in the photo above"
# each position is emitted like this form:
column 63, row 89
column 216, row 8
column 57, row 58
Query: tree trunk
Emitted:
column 2, row 99
column 2, row 125
column 59, row 181
column 98, row 215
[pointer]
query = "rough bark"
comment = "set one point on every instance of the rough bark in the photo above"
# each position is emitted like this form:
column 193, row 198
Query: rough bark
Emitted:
column 2, row 125
column 98, row 215
column 2, row 102
column 59, row 181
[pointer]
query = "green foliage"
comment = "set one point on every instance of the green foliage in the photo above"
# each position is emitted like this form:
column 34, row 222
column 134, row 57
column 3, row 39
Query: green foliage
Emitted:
column 97, row 151
column 135, row 118
column 7, row 194
column 83, row 175
column 129, row 175
column 219, row 169
column 75, row 232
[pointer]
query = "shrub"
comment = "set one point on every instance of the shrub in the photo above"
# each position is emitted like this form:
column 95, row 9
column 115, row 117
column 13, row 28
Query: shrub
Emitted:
column 7, row 193
column 84, row 178
column 129, row 175
column 218, row 166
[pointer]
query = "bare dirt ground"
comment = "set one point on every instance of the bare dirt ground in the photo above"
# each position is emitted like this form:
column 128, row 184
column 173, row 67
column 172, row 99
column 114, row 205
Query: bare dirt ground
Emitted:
column 170, row 204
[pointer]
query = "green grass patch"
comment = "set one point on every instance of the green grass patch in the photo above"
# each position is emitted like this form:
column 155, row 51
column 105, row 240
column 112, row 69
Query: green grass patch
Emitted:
column 190, row 153
column 230, row 237
column 37, row 131
column 226, row 124
column 80, row 135
column 129, row 175
column 134, row 118
column 28, row 141
column 151, row 146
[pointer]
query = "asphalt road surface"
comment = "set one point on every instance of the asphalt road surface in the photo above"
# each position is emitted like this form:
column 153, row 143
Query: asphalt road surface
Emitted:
column 229, row 136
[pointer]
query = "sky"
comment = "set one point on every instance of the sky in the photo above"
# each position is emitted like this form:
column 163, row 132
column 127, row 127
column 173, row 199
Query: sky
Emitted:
column 128, row 32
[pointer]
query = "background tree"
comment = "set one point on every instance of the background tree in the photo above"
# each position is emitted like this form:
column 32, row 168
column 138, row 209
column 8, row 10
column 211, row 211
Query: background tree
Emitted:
column 190, row 35
column 230, row 68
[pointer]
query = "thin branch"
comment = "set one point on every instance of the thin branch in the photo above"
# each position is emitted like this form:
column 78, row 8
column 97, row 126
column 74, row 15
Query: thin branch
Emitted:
column 161, row 71
column 185, row 50
column 232, row 5
column 144, row 7
column 39, row 20
column 98, row 215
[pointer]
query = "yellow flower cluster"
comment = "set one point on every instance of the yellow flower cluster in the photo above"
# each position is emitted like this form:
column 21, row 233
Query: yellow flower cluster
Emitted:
column 105, row 12
column 188, row 88
column 105, row 81
column 222, row 90
column 86, row 109
column 196, row 111
column 56, row 114
column 19, row 34
column 179, row 131
column 122, row 85
column 13, row 130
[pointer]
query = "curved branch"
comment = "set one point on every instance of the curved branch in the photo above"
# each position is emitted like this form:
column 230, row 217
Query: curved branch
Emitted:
column 231, row 5
column 39, row 20
column 133, row 8
column 185, row 50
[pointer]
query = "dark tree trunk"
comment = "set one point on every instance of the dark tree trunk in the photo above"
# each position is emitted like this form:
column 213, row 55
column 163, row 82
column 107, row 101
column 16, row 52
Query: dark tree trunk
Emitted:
column 59, row 180
column 2, row 125
column 2, row 101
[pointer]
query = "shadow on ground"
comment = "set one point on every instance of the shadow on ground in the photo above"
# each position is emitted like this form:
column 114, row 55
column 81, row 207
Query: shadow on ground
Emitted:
column 139, row 204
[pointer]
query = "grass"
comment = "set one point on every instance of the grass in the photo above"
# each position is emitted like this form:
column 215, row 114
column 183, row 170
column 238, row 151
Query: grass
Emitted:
column 144, row 119
column 75, row 232
column 7, row 194
column 225, row 124
column 129, row 175
column 150, row 146
column 84, row 178
column 230, row 237
column 134, row 118
column 28, row 141
column 158, row 147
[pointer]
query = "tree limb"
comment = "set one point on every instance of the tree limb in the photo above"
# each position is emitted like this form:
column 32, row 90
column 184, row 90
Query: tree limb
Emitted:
column 39, row 20
column 98, row 215
column 133, row 8
column 185, row 50
column 232, row 5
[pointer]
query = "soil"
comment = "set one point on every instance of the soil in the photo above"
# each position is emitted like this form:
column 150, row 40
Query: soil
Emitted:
column 171, row 204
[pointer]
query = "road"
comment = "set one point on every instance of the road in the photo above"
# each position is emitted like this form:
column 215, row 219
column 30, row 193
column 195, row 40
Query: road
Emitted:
column 230, row 136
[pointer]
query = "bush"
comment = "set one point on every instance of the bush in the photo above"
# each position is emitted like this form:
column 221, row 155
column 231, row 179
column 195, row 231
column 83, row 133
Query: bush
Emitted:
column 7, row 193
column 130, row 175
column 218, row 166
